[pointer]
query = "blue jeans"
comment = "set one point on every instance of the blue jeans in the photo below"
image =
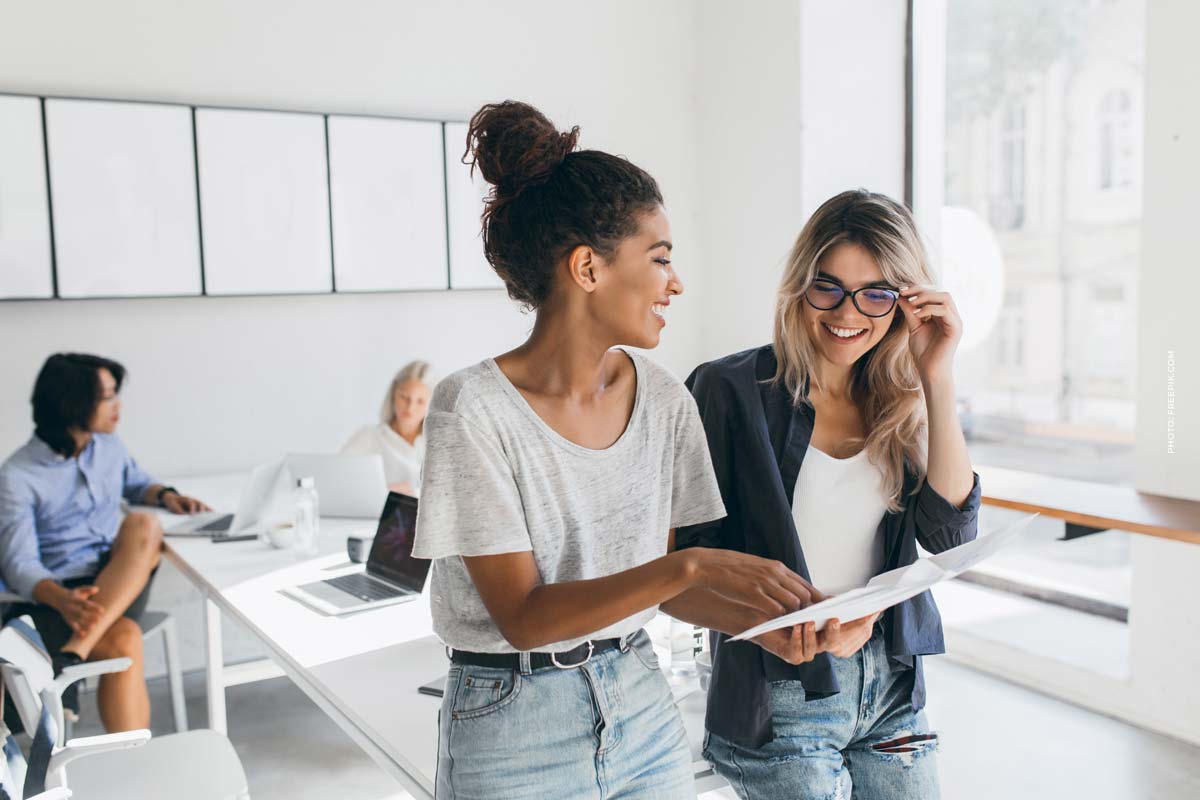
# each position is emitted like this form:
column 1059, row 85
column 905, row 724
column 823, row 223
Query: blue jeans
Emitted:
column 607, row 729
column 865, row 742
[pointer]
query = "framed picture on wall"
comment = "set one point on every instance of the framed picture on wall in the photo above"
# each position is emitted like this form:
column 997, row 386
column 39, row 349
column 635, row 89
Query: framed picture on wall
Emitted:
column 25, row 265
column 123, row 190
column 387, row 193
column 264, row 202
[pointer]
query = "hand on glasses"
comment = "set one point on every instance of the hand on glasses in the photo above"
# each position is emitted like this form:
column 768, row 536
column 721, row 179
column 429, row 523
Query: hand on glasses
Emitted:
column 934, row 329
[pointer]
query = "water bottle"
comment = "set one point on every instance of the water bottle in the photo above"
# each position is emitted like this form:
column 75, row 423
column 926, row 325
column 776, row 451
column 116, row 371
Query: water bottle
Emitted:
column 308, row 518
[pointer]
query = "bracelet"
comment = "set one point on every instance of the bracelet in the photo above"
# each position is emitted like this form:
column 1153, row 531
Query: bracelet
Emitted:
column 162, row 493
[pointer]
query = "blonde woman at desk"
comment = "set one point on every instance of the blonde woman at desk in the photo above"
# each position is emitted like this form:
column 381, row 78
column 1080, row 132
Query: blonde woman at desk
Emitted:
column 400, row 435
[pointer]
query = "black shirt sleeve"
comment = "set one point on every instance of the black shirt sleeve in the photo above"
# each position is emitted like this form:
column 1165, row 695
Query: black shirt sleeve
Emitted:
column 705, row 388
column 938, row 525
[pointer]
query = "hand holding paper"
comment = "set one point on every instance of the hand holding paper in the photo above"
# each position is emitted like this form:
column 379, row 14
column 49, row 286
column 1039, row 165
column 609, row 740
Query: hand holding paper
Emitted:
column 886, row 590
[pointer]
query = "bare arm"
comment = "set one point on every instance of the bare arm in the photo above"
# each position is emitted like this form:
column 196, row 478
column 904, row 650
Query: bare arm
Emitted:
column 531, row 614
column 934, row 330
column 950, row 473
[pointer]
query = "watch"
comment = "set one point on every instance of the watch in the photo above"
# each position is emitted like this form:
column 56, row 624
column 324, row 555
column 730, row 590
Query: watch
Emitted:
column 162, row 493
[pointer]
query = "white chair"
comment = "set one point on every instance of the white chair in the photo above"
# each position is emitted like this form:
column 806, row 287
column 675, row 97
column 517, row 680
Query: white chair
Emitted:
column 15, row 770
column 196, row 765
column 153, row 623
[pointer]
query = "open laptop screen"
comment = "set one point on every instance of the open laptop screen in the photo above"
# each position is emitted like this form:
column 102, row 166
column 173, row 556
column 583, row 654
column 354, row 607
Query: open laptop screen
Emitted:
column 391, row 553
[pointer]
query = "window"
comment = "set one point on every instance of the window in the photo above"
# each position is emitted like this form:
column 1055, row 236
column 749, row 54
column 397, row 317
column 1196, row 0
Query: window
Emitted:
column 1010, row 342
column 1116, row 140
column 1008, row 204
column 1026, row 151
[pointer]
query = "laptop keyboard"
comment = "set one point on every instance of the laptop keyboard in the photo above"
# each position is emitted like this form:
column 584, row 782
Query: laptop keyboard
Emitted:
column 364, row 587
column 218, row 524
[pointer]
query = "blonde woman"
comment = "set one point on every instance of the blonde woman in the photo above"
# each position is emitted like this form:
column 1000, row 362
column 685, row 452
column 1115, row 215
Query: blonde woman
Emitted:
column 838, row 451
column 400, row 435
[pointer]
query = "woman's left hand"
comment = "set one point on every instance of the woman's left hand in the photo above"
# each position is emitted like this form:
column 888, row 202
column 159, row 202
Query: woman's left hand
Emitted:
column 845, row 640
column 934, row 329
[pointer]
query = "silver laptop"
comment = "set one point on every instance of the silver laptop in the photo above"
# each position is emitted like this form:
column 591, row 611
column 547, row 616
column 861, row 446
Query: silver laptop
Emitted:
column 391, row 575
column 256, row 499
column 347, row 485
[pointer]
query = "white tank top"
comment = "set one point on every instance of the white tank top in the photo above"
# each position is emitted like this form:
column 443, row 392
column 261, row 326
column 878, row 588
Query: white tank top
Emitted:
column 838, row 505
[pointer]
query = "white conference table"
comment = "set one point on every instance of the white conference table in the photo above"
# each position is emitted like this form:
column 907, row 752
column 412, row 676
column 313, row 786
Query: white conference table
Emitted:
column 362, row 670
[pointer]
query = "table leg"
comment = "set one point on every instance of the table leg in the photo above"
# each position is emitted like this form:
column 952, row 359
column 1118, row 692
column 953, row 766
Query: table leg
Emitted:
column 215, row 667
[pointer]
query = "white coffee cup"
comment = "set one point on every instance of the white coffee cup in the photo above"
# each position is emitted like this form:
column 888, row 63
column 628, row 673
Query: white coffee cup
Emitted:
column 282, row 536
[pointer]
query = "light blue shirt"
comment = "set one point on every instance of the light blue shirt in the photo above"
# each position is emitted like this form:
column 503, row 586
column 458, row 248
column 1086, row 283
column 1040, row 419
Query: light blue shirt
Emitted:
column 59, row 515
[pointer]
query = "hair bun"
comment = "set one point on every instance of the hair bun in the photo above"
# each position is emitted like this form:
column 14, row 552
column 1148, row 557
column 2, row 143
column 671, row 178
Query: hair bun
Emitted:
column 515, row 146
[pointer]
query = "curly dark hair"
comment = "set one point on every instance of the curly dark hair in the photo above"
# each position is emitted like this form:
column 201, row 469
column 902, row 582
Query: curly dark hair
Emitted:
column 65, row 396
column 547, row 198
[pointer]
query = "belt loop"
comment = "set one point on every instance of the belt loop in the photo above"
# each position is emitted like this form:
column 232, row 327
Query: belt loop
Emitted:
column 625, row 642
column 523, row 659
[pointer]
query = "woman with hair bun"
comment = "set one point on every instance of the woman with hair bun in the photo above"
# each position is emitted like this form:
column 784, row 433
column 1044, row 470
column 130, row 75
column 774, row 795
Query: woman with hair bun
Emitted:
column 554, row 477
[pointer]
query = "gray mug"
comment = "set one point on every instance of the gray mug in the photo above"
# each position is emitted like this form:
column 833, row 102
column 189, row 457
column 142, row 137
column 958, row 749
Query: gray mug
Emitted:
column 358, row 547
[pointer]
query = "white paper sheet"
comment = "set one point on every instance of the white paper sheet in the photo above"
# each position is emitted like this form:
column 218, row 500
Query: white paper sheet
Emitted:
column 886, row 590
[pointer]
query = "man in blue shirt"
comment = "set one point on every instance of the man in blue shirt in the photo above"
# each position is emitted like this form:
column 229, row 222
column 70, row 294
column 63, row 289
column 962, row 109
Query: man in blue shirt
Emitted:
column 83, row 570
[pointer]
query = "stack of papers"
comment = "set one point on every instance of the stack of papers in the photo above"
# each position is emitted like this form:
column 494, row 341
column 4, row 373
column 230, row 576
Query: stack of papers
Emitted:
column 890, row 588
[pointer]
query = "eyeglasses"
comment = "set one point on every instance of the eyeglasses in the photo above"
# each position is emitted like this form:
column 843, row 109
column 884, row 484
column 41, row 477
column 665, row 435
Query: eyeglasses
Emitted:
column 873, row 301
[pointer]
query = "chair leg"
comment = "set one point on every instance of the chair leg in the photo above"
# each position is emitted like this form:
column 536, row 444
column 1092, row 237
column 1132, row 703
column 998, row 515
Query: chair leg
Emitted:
column 175, row 676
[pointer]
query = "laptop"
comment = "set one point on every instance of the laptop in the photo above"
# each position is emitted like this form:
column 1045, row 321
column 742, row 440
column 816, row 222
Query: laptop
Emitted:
column 347, row 485
column 255, row 501
column 391, row 574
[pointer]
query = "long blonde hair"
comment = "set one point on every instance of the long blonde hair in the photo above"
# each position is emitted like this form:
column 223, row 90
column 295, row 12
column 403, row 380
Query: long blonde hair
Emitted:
column 885, row 384
column 412, row 371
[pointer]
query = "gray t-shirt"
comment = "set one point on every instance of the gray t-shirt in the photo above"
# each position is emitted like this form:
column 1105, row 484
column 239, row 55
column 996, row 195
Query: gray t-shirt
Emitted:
column 498, row 479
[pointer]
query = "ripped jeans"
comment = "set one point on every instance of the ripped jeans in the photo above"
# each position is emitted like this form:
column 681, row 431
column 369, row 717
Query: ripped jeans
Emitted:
column 865, row 742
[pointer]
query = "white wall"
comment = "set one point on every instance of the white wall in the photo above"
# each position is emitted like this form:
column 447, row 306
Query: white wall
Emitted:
column 218, row 384
column 749, row 135
column 1166, row 647
column 852, row 99
column 1168, row 346
column 800, row 100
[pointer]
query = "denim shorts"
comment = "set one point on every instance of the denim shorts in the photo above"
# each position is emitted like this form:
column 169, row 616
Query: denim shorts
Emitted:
column 606, row 729
column 864, row 742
